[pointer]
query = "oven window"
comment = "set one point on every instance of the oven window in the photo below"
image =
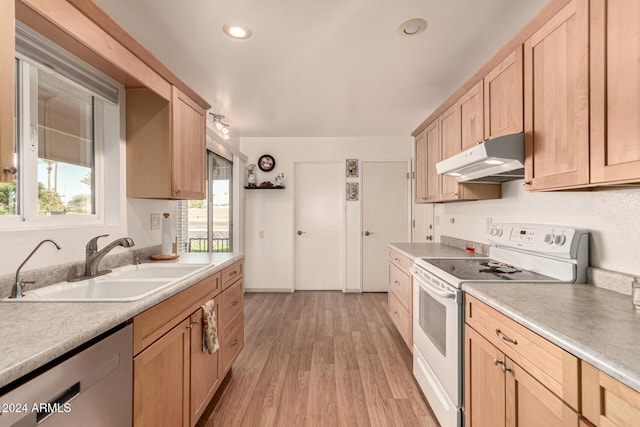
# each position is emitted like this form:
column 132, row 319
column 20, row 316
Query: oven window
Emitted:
column 433, row 321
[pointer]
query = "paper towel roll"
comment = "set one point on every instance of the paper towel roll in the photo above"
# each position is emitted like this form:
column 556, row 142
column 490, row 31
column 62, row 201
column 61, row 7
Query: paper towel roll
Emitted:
column 167, row 235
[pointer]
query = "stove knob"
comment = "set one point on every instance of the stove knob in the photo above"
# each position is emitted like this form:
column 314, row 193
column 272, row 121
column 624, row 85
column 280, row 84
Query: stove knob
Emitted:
column 498, row 232
column 560, row 239
column 548, row 238
column 492, row 232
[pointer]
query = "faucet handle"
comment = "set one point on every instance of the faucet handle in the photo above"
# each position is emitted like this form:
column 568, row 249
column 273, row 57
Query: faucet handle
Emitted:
column 92, row 244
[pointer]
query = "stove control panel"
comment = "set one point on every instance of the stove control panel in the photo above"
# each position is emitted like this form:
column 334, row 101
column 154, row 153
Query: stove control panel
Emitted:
column 553, row 240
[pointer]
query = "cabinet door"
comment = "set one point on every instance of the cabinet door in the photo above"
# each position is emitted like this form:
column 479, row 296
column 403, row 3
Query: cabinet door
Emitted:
column 615, row 91
column 204, row 368
column 556, row 85
column 188, row 149
column 420, row 145
column 7, row 90
column 503, row 103
column 161, row 380
column 433, row 157
column 484, row 382
column 606, row 401
column 529, row 403
column 471, row 107
column 449, row 146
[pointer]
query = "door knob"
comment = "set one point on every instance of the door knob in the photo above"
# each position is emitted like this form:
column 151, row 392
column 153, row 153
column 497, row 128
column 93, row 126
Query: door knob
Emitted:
column 367, row 233
column 300, row 232
column 429, row 237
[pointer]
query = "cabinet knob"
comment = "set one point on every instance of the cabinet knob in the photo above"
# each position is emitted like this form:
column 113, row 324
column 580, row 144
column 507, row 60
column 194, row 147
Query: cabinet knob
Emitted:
column 454, row 194
column 497, row 361
column 505, row 369
column 395, row 282
column 480, row 142
column 177, row 191
column 234, row 303
column 234, row 342
column 526, row 183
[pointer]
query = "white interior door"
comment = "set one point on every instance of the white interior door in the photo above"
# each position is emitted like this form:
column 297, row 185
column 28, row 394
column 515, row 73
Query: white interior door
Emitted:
column 385, row 217
column 319, row 226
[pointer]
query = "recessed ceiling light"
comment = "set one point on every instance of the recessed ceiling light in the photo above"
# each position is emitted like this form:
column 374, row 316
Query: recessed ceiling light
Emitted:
column 412, row 27
column 237, row 31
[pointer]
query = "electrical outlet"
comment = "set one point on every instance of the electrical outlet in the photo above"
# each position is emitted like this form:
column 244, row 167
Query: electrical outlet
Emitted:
column 452, row 220
column 155, row 221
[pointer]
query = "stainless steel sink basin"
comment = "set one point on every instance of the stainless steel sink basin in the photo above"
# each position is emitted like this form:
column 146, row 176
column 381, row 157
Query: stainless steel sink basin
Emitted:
column 129, row 283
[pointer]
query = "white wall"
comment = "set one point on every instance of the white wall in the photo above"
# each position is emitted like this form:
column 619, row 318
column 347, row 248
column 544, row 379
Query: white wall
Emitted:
column 269, row 261
column 612, row 216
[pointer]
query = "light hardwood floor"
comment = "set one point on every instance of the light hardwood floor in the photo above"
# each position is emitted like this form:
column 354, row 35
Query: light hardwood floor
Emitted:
column 319, row 359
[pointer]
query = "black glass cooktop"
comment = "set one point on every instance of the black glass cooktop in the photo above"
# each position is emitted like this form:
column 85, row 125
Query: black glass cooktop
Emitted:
column 478, row 269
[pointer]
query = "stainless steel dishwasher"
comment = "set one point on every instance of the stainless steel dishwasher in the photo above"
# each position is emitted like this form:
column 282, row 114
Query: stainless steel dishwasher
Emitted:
column 90, row 388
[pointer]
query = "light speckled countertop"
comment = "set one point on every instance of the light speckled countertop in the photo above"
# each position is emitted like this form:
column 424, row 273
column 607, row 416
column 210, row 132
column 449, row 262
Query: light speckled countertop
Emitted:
column 596, row 325
column 433, row 250
column 33, row 334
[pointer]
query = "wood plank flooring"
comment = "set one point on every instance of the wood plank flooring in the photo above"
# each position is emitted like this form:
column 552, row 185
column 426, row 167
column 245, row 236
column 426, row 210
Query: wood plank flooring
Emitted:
column 319, row 359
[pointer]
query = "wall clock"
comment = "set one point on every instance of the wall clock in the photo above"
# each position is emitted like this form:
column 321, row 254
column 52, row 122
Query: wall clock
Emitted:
column 266, row 163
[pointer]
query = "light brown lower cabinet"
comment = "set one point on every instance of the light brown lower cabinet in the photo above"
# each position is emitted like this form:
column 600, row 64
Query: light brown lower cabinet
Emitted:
column 400, row 295
column 174, row 378
column 606, row 401
column 500, row 393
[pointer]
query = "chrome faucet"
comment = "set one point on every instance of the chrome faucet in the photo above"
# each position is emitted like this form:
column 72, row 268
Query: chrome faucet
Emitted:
column 16, row 289
column 94, row 256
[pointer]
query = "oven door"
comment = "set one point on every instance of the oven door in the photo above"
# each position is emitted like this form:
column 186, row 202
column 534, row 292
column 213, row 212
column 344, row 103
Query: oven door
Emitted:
column 437, row 337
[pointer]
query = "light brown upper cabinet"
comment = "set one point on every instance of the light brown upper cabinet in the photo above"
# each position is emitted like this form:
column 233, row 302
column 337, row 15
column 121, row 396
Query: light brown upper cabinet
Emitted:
column 7, row 91
column 165, row 146
column 556, row 101
column 503, row 93
column 420, row 150
column 615, row 91
column 472, row 117
column 450, row 144
column 427, row 154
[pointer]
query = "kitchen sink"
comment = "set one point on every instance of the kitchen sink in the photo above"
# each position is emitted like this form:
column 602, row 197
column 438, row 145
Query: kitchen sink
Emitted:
column 124, row 284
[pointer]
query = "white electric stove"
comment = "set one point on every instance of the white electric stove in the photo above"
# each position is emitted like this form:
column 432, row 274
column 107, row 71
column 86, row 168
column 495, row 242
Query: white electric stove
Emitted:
column 523, row 253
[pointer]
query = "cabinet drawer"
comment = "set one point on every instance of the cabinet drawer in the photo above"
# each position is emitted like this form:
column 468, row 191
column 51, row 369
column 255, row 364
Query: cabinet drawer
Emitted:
column 400, row 284
column 402, row 319
column 231, row 303
column 555, row 368
column 400, row 260
column 151, row 324
column 232, row 273
column 231, row 342
column 606, row 401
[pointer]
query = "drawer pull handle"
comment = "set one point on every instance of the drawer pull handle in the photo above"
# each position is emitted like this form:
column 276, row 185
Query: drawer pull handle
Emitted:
column 234, row 342
column 505, row 338
column 233, row 273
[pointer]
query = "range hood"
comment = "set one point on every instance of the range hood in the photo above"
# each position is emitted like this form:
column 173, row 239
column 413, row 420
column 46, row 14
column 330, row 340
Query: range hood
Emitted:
column 494, row 161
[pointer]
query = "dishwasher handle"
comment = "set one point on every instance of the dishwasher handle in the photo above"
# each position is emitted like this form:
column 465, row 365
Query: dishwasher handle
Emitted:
column 58, row 402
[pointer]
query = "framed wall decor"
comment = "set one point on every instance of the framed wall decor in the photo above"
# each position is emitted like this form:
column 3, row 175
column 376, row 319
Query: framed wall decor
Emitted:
column 352, row 167
column 352, row 191
column 266, row 163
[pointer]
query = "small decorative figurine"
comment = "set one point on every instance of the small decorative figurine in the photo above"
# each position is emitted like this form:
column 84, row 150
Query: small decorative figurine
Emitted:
column 251, row 175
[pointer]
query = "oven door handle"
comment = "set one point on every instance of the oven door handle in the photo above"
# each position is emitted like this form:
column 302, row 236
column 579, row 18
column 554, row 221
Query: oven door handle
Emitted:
column 432, row 289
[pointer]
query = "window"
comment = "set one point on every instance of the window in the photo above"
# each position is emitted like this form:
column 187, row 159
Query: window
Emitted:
column 59, row 122
column 206, row 225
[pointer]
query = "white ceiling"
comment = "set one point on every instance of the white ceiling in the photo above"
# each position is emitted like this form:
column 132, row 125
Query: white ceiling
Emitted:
column 323, row 68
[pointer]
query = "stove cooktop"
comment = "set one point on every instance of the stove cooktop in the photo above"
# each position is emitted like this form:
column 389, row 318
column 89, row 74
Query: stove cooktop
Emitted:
column 485, row 269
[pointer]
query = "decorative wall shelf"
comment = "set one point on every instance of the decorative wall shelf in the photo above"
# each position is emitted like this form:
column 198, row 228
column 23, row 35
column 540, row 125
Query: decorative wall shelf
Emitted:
column 265, row 188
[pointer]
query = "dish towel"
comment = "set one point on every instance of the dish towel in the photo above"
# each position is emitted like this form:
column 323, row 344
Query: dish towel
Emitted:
column 209, row 328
